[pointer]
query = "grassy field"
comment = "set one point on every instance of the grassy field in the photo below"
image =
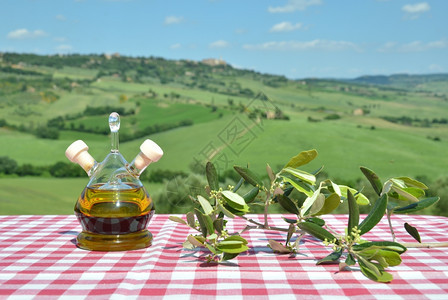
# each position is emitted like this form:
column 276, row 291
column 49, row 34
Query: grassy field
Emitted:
column 222, row 130
column 34, row 195
column 45, row 196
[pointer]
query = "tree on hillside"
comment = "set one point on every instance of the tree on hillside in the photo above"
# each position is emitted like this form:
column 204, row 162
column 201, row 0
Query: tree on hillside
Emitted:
column 7, row 165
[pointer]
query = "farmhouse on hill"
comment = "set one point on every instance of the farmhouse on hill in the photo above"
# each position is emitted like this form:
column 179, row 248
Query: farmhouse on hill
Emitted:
column 214, row 62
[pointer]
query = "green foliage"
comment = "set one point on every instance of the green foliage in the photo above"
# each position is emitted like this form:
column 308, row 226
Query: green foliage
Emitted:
column 398, row 195
column 413, row 232
column 440, row 187
column 47, row 133
column 332, row 117
column 375, row 215
column 66, row 169
column 106, row 110
column 7, row 165
column 373, row 257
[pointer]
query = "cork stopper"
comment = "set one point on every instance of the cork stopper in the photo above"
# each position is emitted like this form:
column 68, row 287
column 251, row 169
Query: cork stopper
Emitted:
column 77, row 153
column 150, row 152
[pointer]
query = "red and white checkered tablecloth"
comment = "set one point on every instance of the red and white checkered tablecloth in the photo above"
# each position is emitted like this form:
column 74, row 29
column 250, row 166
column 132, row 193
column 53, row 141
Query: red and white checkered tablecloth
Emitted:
column 38, row 259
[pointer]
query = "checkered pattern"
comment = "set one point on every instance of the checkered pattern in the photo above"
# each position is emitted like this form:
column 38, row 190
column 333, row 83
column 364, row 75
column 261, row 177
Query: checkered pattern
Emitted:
column 114, row 225
column 39, row 259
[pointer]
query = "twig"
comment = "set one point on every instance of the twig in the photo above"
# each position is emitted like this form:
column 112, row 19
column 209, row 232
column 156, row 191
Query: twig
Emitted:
column 247, row 228
column 263, row 226
column 425, row 245
column 389, row 213
column 332, row 230
column 266, row 205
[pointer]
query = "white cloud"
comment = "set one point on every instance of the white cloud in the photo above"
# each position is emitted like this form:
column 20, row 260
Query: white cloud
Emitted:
column 323, row 45
column 413, row 11
column 21, row 34
column 417, row 8
column 388, row 47
column 64, row 48
column 294, row 5
column 219, row 44
column 436, row 68
column 175, row 46
column 285, row 26
column 415, row 46
column 61, row 18
column 60, row 39
column 240, row 31
column 173, row 20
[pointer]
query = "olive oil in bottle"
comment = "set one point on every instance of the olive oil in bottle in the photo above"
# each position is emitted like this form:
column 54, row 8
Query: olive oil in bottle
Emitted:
column 114, row 209
column 114, row 219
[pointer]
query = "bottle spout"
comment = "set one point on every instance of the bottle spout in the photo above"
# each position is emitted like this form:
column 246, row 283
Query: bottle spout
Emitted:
column 77, row 153
column 149, row 152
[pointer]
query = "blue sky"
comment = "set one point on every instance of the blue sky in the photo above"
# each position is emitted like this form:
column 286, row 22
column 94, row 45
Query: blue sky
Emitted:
column 295, row 38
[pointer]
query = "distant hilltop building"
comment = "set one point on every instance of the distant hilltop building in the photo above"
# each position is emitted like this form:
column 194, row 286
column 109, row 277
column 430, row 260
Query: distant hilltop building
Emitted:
column 109, row 56
column 214, row 62
column 358, row 112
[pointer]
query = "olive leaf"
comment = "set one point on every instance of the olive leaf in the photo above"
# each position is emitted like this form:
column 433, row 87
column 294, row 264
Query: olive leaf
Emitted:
column 249, row 176
column 301, row 159
column 375, row 215
column 392, row 246
column 212, row 176
column 316, row 231
column 310, row 200
column 232, row 245
column 302, row 175
column 290, row 221
column 412, row 182
column 331, row 258
column 219, row 225
column 403, row 194
column 195, row 241
column 330, row 204
column 270, row 173
column 190, row 219
column 287, row 204
column 353, row 212
column 373, row 179
column 229, row 256
column 238, row 185
column 206, row 206
column 251, row 195
column 177, row 219
column 291, row 230
column 413, row 207
column 225, row 211
column 205, row 222
column 212, row 248
column 372, row 271
column 300, row 186
column 278, row 247
column 413, row 232
column 317, row 205
column 235, row 201
column 316, row 220
column 350, row 260
column 361, row 199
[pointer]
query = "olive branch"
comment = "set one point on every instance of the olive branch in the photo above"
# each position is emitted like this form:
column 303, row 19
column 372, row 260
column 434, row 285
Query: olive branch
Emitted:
column 396, row 195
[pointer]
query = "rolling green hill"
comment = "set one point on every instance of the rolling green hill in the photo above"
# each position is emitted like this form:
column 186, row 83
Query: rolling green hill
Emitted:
column 197, row 112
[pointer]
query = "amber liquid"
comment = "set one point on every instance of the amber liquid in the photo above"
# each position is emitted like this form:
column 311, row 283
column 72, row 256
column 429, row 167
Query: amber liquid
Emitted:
column 114, row 220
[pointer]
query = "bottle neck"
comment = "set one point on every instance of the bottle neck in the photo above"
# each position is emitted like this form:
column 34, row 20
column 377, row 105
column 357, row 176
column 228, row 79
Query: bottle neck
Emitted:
column 139, row 164
column 114, row 142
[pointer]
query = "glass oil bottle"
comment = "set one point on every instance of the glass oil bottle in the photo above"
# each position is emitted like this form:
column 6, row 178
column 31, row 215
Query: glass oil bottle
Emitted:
column 114, row 209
